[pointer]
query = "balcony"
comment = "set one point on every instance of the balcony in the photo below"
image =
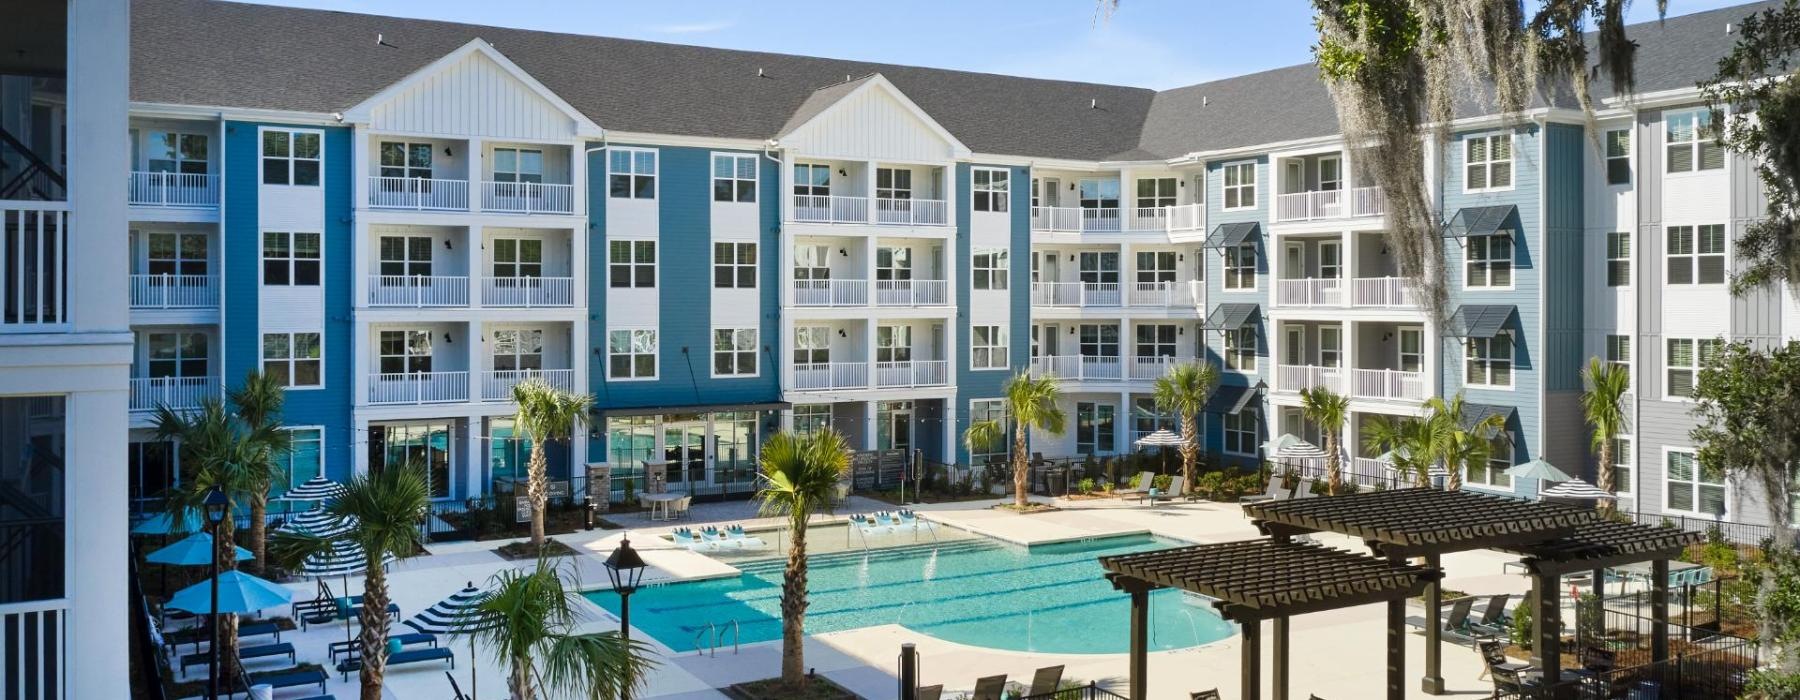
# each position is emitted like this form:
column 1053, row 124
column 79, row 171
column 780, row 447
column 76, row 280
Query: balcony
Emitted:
column 418, row 194
column 35, row 662
column 1077, row 294
column 528, row 292
column 1319, row 291
column 32, row 266
column 183, row 190
column 1149, row 369
column 179, row 393
column 527, row 198
column 1382, row 292
column 823, row 293
column 1186, row 217
column 1299, row 377
column 1079, row 368
column 1389, row 384
column 1330, row 204
column 174, row 292
column 418, row 291
column 911, row 292
column 497, row 385
column 418, row 388
column 826, row 376
column 824, row 209
column 1164, row 294
column 900, row 375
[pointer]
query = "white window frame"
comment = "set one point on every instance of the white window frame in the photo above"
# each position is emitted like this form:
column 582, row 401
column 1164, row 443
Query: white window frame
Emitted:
column 1245, row 267
column 1609, row 156
column 1244, row 188
column 291, row 361
column 405, row 355
column 408, row 171
column 1696, row 353
column 738, row 271
column 1489, row 164
column 1690, row 256
column 287, row 460
column 990, row 269
column 1240, row 349
column 520, row 348
column 631, row 337
column 998, row 190
column 1618, row 255
column 1696, row 142
column 632, row 171
column 812, row 339
column 1621, row 342
column 1112, row 426
column 292, row 262
column 1494, row 476
column 1246, row 435
column 733, row 178
column 631, row 264
column 1487, row 263
column 991, row 341
column 991, row 407
column 1481, row 351
column 289, row 161
column 734, row 355
column 178, row 341
column 1158, row 198
column 1724, row 486
column 805, row 426
column 1625, row 462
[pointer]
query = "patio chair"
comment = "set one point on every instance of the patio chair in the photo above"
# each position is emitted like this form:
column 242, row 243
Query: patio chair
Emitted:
column 1204, row 694
column 1457, row 618
column 931, row 692
column 454, row 687
column 1176, row 486
column 1493, row 655
column 1273, row 492
column 1044, row 682
column 989, row 688
column 1493, row 617
column 1144, row 480
column 1304, row 489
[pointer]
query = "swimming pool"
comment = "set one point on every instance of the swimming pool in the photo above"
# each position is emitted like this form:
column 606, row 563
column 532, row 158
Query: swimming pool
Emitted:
column 1049, row 598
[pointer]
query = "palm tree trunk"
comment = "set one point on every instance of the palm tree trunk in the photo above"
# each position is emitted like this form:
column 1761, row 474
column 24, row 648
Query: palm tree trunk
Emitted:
column 793, row 607
column 1606, row 474
column 1454, row 481
column 537, row 488
column 519, row 680
column 374, row 628
column 1333, row 467
column 1190, row 448
column 259, row 530
column 223, row 541
column 1021, row 467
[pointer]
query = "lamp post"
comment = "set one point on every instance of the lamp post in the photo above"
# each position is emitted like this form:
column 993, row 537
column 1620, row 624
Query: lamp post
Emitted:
column 625, row 569
column 217, row 508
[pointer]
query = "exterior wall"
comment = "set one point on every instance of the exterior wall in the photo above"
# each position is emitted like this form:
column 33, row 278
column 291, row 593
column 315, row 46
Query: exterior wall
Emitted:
column 476, row 97
column 1216, row 294
column 1563, row 281
column 990, row 229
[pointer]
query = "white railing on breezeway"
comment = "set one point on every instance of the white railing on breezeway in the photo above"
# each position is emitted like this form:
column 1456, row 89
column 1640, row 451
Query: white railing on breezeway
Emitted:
column 174, row 190
column 1080, row 368
column 527, row 198
column 1388, row 384
column 418, row 387
column 33, row 291
column 174, row 291
column 1297, row 377
column 409, row 290
column 910, row 292
column 1075, row 294
column 527, row 292
column 1162, row 294
column 1317, row 291
column 912, row 373
column 831, row 375
column 147, row 393
column 34, row 661
column 831, row 292
column 497, row 385
column 1329, row 204
column 1145, row 369
column 418, row 193
column 823, row 209
column 1390, row 292
column 911, row 212
column 1075, row 219
column 1187, row 217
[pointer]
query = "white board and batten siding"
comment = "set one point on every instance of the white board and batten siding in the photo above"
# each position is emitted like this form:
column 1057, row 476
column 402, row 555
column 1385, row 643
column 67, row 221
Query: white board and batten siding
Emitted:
column 873, row 123
column 473, row 96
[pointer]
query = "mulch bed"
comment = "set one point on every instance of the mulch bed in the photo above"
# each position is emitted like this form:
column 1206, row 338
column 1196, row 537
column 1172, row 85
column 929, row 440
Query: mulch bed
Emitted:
column 1030, row 508
column 817, row 688
column 517, row 551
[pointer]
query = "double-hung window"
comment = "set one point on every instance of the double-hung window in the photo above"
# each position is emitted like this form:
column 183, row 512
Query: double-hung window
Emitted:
column 518, row 257
column 981, row 411
column 631, row 354
column 1691, row 142
column 1489, row 361
column 1623, row 461
column 734, row 265
column 1240, row 432
column 1493, row 471
column 990, row 189
column 180, row 354
column 405, row 352
column 291, row 259
column 290, row 157
column 1684, row 358
column 734, row 352
column 1155, row 192
column 1240, row 185
column 517, row 349
column 1692, row 487
column 1618, row 157
column 1099, row 340
column 987, row 347
column 176, row 253
column 170, row 152
column 812, row 183
column 405, row 256
column 1696, row 254
column 1093, row 427
column 991, row 268
column 1618, row 259
column 1487, row 162
column 812, row 345
column 1240, row 349
column 631, row 264
column 1155, row 340
column 631, row 173
column 893, row 343
column 734, row 177
column 1240, row 266
column 400, row 159
column 1490, row 262
column 1618, row 352
column 811, row 418
column 893, row 183
column 893, row 264
column 293, row 359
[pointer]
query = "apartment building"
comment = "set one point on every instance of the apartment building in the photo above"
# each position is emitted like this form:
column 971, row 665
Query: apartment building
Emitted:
column 403, row 218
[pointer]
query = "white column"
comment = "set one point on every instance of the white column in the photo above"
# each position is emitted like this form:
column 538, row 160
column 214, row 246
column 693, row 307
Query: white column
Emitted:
column 474, row 448
column 869, row 193
column 472, row 253
column 95, row 533
column 362, row 342
column 869, row 418
column 578, row 175
column 478, row 170
column 786, row 420
column 952, row 428
column 360, row 240
column 1122, row 424
column 1350, row 338
column 99, row 153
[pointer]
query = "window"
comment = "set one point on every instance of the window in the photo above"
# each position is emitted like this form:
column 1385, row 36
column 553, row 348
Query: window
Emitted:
column 304, row 458
column 1240, row 349
column 1697, row 254
column 631, row 441
column 426, row 444
column 990, row 189
column 1093, row 428
column 292, row 359
column 151, row 470
column 812, row 418
column 518, row 257
column 1691, row 142
column 1622, row 465
column 176, row 153
column 987, row 347
column 1099, row 194
column 518, row 349
column 291, row 259
column 893, row 343
column 176, row 355
column 1618, row 352
column 176, row 254
column 1618, row 259
column 812, row 345
column 1618, row 157
column 1489, row 360
column 1154, row 267
column 405, row 352
column 1412, row 349
column 893, row 183
column 1240, row 186
column 734, row 352
column 631, row 354
column 1155, row 340
column 515, row 166
column 893, row 263
column 1493, row 472
column 1692, row 487
column 631, row 173
column 1240, row 266
column 812, row 180
column 405, row 256
column 405, row 160
column 812, row 262
column 734, row 265
column 1155, row 192
column 982, row 410
column 1331, row 175
column 991, row 269
column 1147, row 418
column 631, row 264
column 1099, row 340
column 734, row 177
column 1490, row 260
column 1487, row 163
column 1099, row 268
column 1331, row 346
column 290, row 157
column 1240, row 432
column 1685, row 358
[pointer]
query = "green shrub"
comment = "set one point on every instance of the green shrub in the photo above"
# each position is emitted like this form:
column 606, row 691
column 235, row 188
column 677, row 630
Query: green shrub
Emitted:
column 1161, row 482
column 1211, row 484
column 1319, row 488
column 1086, row 486
column 1521, row 625
column 1590, row 624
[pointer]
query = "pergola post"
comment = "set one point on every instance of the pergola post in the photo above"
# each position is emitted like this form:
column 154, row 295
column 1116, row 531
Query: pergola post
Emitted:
column 1280, row 644
column 1432, row 683
column 1140, row 642
column 1252, row 660
column 1659, row 610
column 1396, row 650
column 1546, row 622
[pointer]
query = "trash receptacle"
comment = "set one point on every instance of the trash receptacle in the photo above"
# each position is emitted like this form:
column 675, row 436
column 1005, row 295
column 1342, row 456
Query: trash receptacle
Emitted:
column 1056, row 481
column 1646, row 690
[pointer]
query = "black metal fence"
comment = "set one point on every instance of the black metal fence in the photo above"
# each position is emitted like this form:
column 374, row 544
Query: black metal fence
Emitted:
column 1614, row 652
column 1091, row 691
column 1738, row 533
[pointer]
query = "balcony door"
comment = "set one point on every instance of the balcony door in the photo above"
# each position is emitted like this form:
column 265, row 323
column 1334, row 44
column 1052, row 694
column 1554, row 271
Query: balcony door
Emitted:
column 1411, row 356
column 1293, row 262
column 1294, row 343
column 684, row 447
column 1052, row 192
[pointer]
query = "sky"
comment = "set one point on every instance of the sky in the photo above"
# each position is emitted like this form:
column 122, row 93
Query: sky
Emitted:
column 1156, row 44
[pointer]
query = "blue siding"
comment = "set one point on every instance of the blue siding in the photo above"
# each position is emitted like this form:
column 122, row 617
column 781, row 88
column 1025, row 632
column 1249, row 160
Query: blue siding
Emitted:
column 1212, row 425
column 1564, row 220
column 972, row 386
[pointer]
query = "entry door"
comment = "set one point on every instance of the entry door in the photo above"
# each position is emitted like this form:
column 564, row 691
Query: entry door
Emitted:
column 1052, row 192
column 900, row 430
column 1293, row 266
column 684, row 446
column 1051, row 333
column 1296, row 345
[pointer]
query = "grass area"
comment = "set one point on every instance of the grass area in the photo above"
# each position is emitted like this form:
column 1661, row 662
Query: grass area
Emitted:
column 816, row 688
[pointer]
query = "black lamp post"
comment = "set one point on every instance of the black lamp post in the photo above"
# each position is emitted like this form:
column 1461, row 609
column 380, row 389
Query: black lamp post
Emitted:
column 217, row 508
column 626, row 569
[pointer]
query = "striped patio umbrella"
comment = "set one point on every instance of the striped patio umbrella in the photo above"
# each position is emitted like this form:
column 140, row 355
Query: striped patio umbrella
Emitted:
column 317, row 488
column 344, row 558
column 458, row 614
column 1576, row 489
column 1161, row 438
column 319, row 523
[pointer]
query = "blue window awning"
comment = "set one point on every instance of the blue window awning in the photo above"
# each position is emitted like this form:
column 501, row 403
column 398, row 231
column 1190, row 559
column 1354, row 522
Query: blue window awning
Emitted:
column 1230, row 399
column 1479, row 320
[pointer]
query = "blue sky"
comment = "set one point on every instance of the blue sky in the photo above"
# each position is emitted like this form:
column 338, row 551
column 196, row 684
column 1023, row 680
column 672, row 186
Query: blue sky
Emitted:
column 1147, row 43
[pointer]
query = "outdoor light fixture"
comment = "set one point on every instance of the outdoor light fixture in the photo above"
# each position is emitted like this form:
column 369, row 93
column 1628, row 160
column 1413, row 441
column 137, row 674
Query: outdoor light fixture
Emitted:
column 626, row 570
column 217, row 507
column 447, row 151
column 447, row 245
column 842, row 173
column 447, row 338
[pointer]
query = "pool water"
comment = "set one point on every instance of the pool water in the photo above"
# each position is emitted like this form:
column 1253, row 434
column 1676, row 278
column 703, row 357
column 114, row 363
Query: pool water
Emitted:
column 1049, row 598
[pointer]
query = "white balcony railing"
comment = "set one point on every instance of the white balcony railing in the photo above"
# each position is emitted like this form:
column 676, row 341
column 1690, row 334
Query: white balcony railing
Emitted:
column 1149, row 369
column 831, row 292
column 497, row 385
column 912, row 373
column 1366, row 472
column 188, row 190
column 1163, row 294
column 175, row 392
column 1388, row 292
column 1075, row 219
column 34, row 661
column 33, row 290
column 1187, row 217
column 911, row 212
column 528, row 292
column 432, row 194
column 831, row 210
column 1320, row 291
column 418, row 291
column 174, row 292
column 418, row 387
column 831, row 375
column 1387, row 384
column 911, row 292
column 1329, row 204
column 1075, row 294
column 1080, row 368
column 1298, row 377
column 527, row 198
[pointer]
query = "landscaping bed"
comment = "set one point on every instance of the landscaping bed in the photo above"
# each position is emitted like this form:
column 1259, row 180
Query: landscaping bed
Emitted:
column 516, row 551
column 817, row 688
column 481, row 522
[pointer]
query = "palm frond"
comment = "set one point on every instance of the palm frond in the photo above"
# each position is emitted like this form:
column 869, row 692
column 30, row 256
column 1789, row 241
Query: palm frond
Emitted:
column 388, row 507
column 800, row 473
column 547, row 413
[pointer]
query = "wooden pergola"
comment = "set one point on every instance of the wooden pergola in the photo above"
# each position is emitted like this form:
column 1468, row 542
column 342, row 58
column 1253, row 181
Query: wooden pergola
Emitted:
column 1268, row 579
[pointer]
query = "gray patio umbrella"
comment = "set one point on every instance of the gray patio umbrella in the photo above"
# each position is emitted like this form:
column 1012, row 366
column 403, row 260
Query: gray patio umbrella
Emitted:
column 1163, row 439
column 1576, row 489
column 1538, row 469
column 458, row 614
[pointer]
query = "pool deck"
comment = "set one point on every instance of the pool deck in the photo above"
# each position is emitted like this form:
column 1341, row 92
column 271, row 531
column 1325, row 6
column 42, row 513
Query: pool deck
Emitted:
column 1338, row 655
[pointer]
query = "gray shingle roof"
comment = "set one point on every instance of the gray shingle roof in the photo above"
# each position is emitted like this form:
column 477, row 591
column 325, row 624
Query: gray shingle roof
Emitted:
column 222, row 54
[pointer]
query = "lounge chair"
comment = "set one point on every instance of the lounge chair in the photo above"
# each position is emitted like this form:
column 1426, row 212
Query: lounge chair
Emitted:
column 1044, row 682
column 409, row 656
column 1144, row 481
column 291, row 679
column 1204, row 694
column 735, row 537
column 1272, row 493
column 931, row 692
column 260, row 651
column 1457, row 618
column 1176, row 486
column 989, row 688
column 1304, row 489
column 1493, row 617
column 1493, row 655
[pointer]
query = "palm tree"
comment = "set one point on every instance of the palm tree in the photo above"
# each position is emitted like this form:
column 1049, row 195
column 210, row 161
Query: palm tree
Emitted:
column 545, row 413
column 1031, row 403
column 1604, row 404
column 387, row 507
column 1408, row 441
column 799, row 475
column 258, row 403
column 536, row 613
column 1184, row 391
column 1458, row 443
column 240, row 442
column 1328, row 411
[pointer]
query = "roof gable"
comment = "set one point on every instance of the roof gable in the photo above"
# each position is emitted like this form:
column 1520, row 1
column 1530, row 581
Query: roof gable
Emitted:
column 868, row 117
column 503, row 100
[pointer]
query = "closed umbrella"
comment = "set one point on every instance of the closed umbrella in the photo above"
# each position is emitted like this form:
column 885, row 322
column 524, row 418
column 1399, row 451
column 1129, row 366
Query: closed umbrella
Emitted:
column 317, row 488
column 458, row 614
column 239, row 593
column 1576, row 489
column 1538, row 469
column 193, row 550
column 1161, row 438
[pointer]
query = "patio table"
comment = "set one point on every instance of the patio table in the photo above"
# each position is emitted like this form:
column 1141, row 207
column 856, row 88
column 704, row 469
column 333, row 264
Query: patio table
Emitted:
column 1641, row 570
column 660, row 502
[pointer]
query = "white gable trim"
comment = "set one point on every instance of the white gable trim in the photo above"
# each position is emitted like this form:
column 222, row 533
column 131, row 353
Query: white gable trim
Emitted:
column 880, row 81
column 363, row 112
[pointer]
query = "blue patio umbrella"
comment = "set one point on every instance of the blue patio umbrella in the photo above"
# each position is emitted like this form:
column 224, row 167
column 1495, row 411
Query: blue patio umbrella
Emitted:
column 164, row 524
column 193, row 550
column 238, row 593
